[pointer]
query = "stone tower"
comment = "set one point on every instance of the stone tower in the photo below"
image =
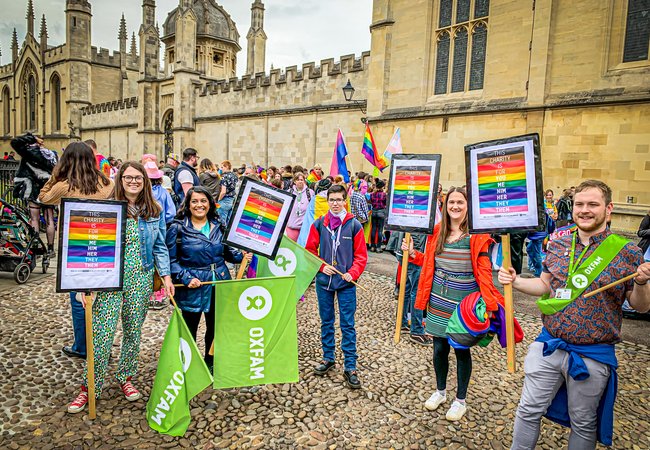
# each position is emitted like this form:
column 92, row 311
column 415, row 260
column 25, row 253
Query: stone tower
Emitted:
column 30, row 17
column 256, row 40
column 123, row 37
column 149, row 66
column 78, row 21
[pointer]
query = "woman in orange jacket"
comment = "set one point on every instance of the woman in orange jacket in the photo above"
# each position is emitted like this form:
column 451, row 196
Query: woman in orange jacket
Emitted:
column 454, row 265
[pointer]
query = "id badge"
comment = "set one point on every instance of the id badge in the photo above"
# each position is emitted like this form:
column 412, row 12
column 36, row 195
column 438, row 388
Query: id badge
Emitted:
column 563, row 294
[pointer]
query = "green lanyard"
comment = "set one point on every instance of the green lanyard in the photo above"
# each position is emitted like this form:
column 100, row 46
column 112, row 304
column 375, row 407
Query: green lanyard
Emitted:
column 573, row 266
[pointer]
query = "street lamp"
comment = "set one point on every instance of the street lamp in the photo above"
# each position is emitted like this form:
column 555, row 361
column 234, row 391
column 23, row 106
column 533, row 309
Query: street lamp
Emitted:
column 348, row 93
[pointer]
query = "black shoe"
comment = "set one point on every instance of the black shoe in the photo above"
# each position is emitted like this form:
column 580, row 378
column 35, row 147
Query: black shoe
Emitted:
column 405, row 329
column 351, row 379
column 380, row 250
column 422, row 339
column 323, row 368
column 67, row 351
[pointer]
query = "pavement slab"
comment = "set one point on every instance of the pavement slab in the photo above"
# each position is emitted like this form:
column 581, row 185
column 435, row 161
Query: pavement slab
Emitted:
column 38, row 382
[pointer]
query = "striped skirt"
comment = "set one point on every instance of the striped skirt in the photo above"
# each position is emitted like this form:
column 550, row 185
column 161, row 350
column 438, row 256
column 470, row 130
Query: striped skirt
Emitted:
column 447, row 291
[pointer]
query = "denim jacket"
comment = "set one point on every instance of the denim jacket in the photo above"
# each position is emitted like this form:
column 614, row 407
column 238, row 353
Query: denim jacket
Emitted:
column 152, row 244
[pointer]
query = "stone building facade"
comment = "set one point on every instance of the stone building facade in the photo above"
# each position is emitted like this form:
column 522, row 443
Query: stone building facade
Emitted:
column 447, row 72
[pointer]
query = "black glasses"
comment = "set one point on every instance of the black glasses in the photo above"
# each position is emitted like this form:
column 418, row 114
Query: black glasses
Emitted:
column 131, row 179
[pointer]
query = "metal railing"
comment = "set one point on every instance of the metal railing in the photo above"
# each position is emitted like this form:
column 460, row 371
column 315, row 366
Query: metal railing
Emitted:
column 7, row 172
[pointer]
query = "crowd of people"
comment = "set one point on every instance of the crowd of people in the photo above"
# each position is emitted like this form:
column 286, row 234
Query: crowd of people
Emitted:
column 178, row 213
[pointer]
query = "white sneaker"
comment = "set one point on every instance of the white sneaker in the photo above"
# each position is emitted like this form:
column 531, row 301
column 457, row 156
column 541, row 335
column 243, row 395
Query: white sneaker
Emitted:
column 434, row 401
column 456, row 411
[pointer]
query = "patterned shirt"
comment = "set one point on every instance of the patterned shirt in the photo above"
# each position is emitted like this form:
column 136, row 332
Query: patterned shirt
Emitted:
column 378, row 200
column 229, row 181
column 359, row 206
column 594, row 320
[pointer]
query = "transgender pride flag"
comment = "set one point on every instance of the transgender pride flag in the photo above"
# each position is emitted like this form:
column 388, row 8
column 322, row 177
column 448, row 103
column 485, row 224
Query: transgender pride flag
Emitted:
column 338, row 166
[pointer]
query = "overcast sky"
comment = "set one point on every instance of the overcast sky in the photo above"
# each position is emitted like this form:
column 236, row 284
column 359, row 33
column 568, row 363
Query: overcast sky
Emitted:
column 298, row 31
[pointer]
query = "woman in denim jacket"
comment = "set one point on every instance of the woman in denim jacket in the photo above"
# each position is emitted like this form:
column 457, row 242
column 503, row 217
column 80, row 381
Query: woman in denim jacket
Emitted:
column 197, row 254
column 144, row 248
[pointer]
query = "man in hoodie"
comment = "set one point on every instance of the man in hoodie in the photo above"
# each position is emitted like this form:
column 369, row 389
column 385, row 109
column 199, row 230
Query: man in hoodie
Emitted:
column 337, row 238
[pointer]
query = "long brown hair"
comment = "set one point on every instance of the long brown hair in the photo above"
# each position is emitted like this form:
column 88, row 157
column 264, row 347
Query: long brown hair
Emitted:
column 207, row 166
column 78, row 167
column 445, row 224
column 149, row 207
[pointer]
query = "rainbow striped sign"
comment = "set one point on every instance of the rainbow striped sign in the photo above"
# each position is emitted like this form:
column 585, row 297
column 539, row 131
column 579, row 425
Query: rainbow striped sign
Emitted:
column 504, row 185
column 411, row 191
column 91, row 240
column 502, row 181
column 259, row 217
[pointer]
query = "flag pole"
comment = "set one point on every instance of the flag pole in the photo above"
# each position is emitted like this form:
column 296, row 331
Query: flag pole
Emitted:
column 402, row 291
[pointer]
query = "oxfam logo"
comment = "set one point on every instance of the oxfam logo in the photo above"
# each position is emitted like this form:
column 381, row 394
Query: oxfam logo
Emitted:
column 255, row 303
column 285, row 263
column 580, row 281
column 185, row 353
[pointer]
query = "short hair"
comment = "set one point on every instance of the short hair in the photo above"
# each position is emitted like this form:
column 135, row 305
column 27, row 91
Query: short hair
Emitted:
column 337, row 189
column 188, row 153
column 596, row 184
column 297, row 175
column 91, row 143
column 549, row 190
column 297, row 169
column 273, row 168
column 287, row 168
column 227, row 164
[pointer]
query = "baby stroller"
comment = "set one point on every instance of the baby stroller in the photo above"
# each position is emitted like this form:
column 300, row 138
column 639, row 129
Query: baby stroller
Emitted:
column 20, row 244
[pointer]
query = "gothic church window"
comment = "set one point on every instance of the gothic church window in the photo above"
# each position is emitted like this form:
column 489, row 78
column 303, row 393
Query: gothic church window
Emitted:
column 218, row 58
column 55, row 93
column 637, row 31
column 458, row 47
column 29, row 103
column 6, row 112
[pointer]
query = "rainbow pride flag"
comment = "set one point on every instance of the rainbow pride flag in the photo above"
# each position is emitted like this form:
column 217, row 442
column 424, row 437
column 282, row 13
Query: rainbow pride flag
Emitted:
column 369, row 150
column 338, row 166
column 313, row 177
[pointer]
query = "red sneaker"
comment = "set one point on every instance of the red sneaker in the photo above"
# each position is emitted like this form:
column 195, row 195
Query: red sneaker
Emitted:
column 79, row 403
column 130, row 392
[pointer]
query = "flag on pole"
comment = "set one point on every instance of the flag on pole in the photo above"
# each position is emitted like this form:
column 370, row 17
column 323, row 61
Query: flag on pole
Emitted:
column 338, row 166
column 313, row 177
column 291, row 259
column 256, row 336
column 394, row 147
column 181, row 375
column 369, row 150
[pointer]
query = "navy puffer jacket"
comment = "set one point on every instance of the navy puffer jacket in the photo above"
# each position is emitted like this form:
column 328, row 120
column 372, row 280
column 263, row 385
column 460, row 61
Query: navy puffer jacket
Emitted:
column 192, row 255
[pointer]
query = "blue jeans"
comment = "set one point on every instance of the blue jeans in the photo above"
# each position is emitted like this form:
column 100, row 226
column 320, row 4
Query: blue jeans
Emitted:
column 78, row 325
column 347, row 299
column 534, row 250
column 410, row 292
column 225, row 209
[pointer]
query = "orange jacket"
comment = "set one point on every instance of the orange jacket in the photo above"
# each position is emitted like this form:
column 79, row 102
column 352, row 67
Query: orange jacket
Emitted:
column 479, row 248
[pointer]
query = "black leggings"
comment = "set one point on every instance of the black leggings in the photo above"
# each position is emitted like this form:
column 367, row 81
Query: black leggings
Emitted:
column 192, row 320
column 377, row 230
column 441, row 349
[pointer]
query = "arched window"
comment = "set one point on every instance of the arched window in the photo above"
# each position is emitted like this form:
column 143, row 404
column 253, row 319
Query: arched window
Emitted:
column 442, row 63
column 31, row 103
column 460, row 61
column 637, row 31
column 477, row 67
column 55, row 104
column 458, row 48
column 6, row 112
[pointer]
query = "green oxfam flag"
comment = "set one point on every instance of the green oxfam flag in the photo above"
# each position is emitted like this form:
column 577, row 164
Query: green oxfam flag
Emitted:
column 291, row 259
column 256, row 338
column 181, row 375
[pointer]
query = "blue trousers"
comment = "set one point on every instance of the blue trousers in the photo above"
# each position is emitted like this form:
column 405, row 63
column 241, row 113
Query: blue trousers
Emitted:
column 347, row 299
column 410, row 292
column 534, row 250
column 78, row 325
column 225, row 209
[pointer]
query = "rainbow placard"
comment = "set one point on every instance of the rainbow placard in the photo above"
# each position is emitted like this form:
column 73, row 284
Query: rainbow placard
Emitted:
column 90, row 254
column 504, row 185
column 412, row 193
column 92, row 237
column 259, row 217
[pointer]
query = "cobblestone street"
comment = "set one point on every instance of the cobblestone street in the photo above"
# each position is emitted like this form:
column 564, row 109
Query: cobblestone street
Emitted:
column 38, row 382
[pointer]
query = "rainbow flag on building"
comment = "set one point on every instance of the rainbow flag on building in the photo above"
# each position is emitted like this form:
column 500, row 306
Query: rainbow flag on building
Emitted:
column 338, row 166
column 369, row 150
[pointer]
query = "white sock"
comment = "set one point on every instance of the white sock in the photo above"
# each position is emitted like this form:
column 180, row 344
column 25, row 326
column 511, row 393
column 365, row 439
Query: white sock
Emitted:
column 443, row 392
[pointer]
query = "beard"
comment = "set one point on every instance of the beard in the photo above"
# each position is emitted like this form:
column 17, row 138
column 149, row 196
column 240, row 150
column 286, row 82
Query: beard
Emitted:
column 598, row 221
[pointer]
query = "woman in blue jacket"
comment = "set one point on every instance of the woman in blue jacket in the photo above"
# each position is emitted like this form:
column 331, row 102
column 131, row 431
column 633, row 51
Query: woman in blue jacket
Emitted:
column 197, row 255
column 143, row 249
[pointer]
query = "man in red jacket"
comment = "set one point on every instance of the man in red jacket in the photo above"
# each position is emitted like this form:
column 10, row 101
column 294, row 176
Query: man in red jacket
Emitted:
column 337, row 238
